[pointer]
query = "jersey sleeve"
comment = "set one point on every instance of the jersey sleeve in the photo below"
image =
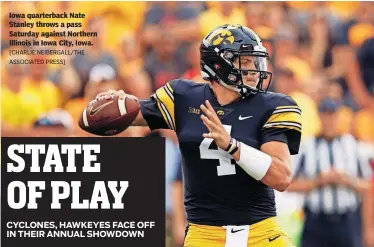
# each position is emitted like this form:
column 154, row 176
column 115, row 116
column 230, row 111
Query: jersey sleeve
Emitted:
column 284, row 125
column 158, row 110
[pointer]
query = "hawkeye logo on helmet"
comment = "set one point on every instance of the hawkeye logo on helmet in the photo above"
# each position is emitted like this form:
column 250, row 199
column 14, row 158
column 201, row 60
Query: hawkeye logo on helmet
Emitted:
column 221, row 36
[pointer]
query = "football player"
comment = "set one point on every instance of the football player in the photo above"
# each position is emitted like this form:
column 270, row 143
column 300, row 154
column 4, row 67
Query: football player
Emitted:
column 236, row 139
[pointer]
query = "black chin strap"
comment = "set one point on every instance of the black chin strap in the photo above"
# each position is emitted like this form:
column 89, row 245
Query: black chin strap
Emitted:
column 246, row 91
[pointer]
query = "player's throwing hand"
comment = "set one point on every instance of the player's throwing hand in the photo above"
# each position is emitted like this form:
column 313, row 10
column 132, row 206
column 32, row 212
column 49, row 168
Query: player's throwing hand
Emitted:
column 215, row 127
column 112, row 93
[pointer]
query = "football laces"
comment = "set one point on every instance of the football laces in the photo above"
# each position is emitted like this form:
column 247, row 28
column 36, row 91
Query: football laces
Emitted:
column 111, row 95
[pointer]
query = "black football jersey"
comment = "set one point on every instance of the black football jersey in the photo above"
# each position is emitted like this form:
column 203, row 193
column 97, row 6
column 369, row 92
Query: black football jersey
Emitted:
column 217, row 190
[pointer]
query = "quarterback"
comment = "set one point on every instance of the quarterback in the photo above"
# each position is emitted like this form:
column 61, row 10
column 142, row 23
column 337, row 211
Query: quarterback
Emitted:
column 236, row 139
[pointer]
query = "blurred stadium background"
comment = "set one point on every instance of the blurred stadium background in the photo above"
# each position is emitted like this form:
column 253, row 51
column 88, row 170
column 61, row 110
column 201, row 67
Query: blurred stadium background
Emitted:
column 318, row 49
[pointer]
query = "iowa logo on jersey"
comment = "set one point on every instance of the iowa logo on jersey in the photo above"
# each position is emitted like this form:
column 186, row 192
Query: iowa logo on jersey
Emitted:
column 220, row 113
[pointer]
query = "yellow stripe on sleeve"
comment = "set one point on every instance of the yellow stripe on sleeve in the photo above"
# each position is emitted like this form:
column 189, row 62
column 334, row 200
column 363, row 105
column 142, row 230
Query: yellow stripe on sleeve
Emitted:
column 285, row 117
column 169, row 87
column 164, row 114
column 286, row 125
column 166, row 105
column 287, row 107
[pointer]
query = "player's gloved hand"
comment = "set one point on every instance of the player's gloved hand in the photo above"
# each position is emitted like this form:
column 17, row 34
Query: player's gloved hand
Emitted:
column 215, row 127
column 111, row 94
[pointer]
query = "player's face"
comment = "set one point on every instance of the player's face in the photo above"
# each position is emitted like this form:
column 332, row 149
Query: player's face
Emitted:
column 248, row 63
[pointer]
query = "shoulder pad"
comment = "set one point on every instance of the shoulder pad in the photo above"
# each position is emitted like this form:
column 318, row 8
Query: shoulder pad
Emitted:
column 180, row 86
column 278, row 101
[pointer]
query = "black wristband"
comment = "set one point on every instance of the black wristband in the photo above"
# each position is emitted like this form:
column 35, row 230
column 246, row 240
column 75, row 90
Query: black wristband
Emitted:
column 234, row 150
column 230, row 144
column 233, row 147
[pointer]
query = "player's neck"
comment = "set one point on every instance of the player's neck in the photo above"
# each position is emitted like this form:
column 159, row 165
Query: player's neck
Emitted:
column 224, row 95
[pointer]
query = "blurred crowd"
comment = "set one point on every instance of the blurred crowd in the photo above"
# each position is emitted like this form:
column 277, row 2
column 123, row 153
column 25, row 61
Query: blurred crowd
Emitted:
column 318, row 49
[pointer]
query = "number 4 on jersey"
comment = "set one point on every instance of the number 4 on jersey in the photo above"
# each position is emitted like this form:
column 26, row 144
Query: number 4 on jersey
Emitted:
column 225, row 166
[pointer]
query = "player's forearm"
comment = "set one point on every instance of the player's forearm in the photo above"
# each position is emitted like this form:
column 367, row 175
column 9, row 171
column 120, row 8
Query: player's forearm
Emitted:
column 270, row 170
column 278, row 176
column 139, row 120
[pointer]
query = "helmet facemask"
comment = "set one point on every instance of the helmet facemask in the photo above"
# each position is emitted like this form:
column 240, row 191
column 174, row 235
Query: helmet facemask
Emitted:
column 244, row 62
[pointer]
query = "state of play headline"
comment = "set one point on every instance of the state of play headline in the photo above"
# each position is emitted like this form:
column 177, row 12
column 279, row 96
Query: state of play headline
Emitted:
column 27, row 195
